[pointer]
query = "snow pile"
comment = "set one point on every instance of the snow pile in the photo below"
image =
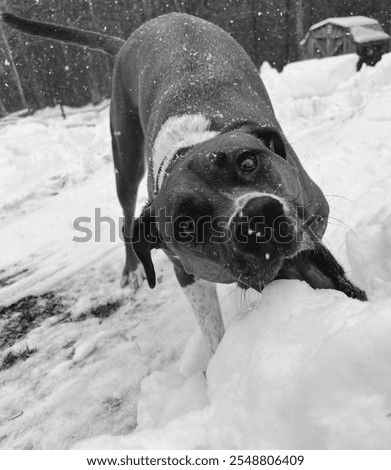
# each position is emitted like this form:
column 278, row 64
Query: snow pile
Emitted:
column 307, row 369
column 297, row 368
column 369, row 253
column 43, row 152
column 325, row 88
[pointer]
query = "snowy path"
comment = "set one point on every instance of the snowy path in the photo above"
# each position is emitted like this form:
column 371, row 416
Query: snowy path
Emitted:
column 305, row 369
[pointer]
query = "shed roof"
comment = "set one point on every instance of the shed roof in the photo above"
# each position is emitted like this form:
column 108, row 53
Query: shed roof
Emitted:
column 346, row 22
column 362, row 28
column 361, row 34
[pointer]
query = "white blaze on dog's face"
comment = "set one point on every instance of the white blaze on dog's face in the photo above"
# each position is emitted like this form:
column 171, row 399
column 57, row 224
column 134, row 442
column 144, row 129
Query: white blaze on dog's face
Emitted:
column 197, row 213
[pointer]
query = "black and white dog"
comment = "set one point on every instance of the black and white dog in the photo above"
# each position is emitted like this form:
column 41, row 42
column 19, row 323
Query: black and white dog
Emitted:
column 229, row 199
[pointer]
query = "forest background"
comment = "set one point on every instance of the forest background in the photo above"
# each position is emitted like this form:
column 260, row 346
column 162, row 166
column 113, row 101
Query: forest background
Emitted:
column 35, row 73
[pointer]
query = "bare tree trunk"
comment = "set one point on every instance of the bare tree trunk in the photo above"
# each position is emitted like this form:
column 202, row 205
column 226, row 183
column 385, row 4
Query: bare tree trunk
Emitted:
column 288, row 31
column 386, row 14
column 3, row 110
column 294, row 28
column 299, row 16
column 92, row 80
column 147, row 9
column 254, row 11
column 91, row 8
column 13, row 67
column 40, row 101
column 178, row 6
column 93, row 86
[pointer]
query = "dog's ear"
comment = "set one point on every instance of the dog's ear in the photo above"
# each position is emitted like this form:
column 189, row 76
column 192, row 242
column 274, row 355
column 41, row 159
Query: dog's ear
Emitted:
column 270, row 137
column 145, row 238
column 320, row 270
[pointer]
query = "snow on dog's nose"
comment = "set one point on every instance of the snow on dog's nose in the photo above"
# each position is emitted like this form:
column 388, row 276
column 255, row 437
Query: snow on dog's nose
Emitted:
column 263, row 226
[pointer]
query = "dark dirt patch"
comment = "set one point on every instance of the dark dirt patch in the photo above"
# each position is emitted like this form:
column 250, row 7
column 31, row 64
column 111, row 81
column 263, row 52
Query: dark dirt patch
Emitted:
column 11, row 278
column 26, row 314
column 105, row 310
column 13, row 357
column 21, row 317
column 101, row 310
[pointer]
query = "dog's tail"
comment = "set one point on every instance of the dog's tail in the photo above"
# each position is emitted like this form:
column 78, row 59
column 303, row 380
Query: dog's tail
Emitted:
column 102, row 42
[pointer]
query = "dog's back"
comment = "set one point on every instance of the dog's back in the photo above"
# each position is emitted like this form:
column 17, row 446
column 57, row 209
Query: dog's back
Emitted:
column 183, row 65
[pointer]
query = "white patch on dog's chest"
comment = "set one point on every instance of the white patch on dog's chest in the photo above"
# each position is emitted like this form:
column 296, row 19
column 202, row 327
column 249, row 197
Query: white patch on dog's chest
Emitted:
column 176, row 133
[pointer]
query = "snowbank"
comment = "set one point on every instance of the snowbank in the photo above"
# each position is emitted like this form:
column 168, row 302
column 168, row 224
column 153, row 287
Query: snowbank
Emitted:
column 303, row 369
column 307, row 369
column 297, row 368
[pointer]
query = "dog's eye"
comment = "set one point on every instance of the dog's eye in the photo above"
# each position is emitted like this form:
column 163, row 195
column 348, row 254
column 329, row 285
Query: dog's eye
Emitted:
column 248, row 163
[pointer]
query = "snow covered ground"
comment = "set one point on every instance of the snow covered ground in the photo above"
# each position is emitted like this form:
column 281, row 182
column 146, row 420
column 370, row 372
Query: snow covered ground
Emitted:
column 86, row 364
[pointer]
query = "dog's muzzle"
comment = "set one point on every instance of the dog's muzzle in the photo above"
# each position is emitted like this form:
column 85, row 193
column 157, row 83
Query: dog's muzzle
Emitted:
column 263, row 227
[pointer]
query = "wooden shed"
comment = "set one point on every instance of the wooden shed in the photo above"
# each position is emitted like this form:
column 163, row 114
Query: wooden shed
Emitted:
column 345, row 35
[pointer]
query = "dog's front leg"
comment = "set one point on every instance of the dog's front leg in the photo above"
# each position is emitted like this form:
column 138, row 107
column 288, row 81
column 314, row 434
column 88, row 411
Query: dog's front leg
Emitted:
column 203, row 298
column 127, row 144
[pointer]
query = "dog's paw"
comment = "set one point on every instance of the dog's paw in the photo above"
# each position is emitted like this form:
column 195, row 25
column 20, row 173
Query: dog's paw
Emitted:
column 133, row 279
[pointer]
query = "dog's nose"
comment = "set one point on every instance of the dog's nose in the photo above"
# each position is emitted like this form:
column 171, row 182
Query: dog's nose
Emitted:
column 261, row 222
